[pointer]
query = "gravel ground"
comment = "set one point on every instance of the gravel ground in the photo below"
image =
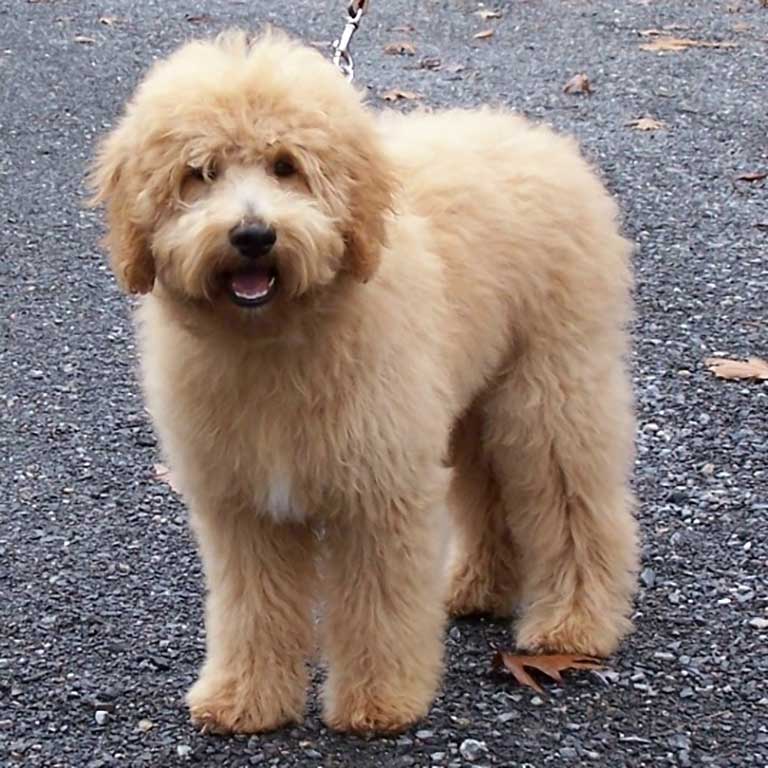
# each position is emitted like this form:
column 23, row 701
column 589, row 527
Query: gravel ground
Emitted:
column 100, row 588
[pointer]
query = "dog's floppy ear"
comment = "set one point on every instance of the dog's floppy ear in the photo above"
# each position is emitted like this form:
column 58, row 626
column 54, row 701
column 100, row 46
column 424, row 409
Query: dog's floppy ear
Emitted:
column 370, row 209
column 114, row 183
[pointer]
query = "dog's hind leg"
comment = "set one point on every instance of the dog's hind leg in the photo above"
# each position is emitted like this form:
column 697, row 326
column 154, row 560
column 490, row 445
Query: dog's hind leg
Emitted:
column 561, row 433
column 484, row 575
column 259, row 629
column 384, row 618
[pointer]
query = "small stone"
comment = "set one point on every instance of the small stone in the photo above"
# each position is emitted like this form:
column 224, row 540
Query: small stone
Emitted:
column 606, row 676
column 424, row 735
column 537, row 701
column 664, row 656
column 183, row 751
column 100, row 716
column 568, row 753
column 313, row 753
column 758, row 623
column 455, row 634
column 687, row 692
column 680, row 741
column 684, row 758
column 648, row 577
column 145, row 725
column 505, row 717
column 677, row 497
column 437, row 757
column 472, row 750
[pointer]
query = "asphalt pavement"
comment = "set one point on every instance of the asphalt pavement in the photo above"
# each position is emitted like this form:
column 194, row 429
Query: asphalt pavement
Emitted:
column 100, row 587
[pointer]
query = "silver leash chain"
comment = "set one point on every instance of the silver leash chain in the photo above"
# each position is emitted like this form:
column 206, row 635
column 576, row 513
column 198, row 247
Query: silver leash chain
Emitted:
column 342, row 57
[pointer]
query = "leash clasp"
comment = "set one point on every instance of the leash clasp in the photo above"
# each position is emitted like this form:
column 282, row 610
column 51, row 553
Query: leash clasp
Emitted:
column 342, row 57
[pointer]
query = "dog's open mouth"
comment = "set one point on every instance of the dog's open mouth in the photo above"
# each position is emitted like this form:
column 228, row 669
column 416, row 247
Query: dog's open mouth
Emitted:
column 252, row 286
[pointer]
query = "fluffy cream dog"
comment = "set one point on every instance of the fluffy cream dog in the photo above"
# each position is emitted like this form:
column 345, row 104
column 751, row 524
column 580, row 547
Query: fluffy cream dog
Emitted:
column 352, row 323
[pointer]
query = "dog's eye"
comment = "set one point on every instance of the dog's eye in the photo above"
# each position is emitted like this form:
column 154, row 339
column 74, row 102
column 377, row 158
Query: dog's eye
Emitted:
column 202, row 173
column 284, row 167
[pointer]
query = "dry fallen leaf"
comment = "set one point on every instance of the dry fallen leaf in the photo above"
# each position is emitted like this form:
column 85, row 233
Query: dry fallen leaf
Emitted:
column 757, row 176
column 400, row 49
column 665, row 30
column 550, row 665
column 578, row 84
column 668, row 44
column 163, row 474
column 84, row 39
column 646, row 124
column 487, row 13
column 430, row 62
column 484, row 35
column 395, row 94
column 725, row 368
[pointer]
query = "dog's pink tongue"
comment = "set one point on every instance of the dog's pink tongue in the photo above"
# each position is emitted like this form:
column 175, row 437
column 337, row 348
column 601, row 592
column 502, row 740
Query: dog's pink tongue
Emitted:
column 250, row 284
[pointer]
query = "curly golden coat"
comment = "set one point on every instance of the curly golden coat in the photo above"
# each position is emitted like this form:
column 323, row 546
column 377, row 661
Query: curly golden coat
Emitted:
column 445, row 344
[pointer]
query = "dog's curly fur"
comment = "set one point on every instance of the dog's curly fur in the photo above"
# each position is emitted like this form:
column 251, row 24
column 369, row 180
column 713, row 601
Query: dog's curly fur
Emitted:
column 447, row 334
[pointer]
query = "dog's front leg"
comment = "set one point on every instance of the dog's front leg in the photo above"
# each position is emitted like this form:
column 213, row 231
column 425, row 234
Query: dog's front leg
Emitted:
column 258, row 622
column 383, row 620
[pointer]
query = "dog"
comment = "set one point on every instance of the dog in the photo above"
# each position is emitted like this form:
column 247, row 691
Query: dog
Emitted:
column 364, row 337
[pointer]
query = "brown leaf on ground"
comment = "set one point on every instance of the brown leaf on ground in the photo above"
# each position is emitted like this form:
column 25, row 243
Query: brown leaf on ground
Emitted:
column 432, row 63
column 664, row 31
column 400, row 49
column 550, row 665
column 84, row 39
column 163, row 474
column 487, row 13
column 756, row 176
column 395, row 94
column 484, row 35
column 646, row 124
column 725, row 368
column 578, row 84
column 669, row 44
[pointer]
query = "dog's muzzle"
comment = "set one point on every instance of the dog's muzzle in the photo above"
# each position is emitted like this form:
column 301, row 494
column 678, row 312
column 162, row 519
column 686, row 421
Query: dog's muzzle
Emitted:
column 255, row 283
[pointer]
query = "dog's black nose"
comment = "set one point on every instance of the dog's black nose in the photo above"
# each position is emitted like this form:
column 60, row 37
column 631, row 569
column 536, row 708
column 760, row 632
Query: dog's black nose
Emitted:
column 253, row 239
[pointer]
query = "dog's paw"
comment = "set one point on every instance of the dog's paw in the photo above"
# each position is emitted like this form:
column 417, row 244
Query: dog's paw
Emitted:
column 367, row 716
column 575, row 632
column 225, row 706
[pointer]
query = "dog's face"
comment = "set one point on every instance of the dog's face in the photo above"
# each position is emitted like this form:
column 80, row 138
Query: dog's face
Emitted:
column 242, row 176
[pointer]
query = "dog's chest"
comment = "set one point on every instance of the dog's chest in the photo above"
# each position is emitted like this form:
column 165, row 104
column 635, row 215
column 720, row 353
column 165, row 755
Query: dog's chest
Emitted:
column 279, row 499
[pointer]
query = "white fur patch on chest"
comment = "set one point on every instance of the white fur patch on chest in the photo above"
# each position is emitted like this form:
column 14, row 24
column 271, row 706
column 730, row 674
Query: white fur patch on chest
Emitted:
column 281, row 504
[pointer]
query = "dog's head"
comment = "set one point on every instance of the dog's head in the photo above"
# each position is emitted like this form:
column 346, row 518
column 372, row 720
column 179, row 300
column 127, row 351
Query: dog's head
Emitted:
column 243, row 175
